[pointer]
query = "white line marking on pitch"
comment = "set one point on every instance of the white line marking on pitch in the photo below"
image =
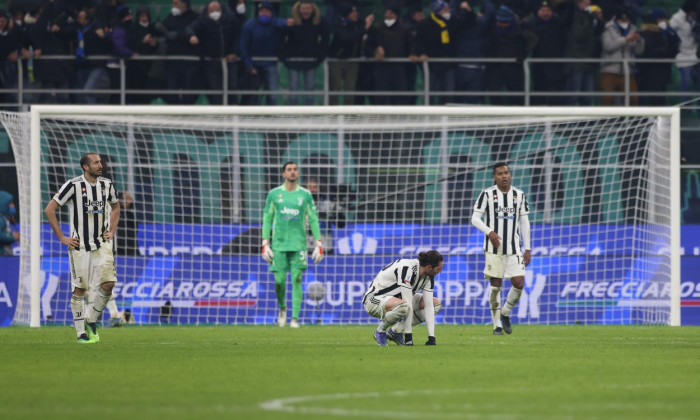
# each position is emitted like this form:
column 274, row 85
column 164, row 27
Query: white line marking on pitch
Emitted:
column 289, row 405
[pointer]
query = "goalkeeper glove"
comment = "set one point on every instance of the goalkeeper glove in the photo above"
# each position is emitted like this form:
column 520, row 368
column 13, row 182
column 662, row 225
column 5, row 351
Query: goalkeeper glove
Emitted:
column 431, row 341
column 317, row 255
column 267, row 251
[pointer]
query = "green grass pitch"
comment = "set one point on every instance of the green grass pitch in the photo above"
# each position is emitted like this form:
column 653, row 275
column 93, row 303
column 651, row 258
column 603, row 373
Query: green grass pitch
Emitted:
column 338, row 372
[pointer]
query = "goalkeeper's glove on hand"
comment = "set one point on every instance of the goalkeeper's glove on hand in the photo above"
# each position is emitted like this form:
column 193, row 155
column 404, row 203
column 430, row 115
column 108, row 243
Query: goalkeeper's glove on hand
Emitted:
column 317, row 255
column 431, row 341
column 267, row 251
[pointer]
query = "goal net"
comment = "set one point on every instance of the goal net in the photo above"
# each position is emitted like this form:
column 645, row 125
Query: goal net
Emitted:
column 602, row 185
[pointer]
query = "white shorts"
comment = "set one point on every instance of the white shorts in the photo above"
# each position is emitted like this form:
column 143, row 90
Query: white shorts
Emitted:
column 378, row 309
column 89, row 268
column 503, row 266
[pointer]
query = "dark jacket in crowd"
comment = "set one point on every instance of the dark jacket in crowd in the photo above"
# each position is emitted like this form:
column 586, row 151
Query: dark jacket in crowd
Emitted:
column 347, row 38
column 53, row 43
column 260, row 39
column 137, row 33
column 657, row 44
column 583, row 39
column 396, row 40
column 174, row 27
column 216, row 38
column 551, row 43
column 307, row 38
column 94, row 44
column 470, row 42
column 429, row 40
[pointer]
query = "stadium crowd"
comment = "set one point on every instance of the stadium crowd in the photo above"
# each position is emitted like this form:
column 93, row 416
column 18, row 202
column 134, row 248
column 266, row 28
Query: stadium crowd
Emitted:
column 251, row 40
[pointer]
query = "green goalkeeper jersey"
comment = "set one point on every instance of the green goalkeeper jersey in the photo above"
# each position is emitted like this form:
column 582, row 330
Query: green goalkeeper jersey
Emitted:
column 286, row 213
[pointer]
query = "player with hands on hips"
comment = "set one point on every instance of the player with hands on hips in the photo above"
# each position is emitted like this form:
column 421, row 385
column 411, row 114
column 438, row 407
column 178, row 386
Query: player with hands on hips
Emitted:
column 401, row 296
column 507, row 221
column 287, row 210
column 94, row 205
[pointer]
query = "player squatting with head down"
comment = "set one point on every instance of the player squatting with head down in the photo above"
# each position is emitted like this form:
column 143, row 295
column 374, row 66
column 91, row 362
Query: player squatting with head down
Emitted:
column 395, row 298
column 506, row 211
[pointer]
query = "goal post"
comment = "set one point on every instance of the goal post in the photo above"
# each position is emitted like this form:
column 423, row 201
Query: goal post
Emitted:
column 603, row 184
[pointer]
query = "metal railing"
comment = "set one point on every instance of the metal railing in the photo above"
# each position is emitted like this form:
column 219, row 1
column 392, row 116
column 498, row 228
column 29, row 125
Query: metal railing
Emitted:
column 426, row 93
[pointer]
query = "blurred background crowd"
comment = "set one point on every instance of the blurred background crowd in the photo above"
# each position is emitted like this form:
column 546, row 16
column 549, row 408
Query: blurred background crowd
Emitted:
column 385, row 52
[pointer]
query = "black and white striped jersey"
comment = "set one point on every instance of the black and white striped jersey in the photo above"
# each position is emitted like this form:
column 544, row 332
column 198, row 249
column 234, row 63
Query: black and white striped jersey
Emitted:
column 89, row 217
column 399, row 273
column 501, row 212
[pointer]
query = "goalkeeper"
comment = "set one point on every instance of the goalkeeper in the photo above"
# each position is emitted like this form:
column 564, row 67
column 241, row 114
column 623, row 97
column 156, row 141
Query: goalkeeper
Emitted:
column 286, row 211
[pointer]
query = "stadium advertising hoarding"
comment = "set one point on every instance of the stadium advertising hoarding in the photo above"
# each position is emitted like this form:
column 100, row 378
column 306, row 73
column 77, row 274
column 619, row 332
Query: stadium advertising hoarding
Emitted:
column 180, row 282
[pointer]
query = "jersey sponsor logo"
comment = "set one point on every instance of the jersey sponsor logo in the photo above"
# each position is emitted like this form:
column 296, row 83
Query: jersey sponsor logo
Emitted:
column 95, row 203
column 287, row 210
column 505, row 209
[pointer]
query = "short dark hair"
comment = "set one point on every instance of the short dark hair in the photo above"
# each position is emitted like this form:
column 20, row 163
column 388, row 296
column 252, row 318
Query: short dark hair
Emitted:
column 498, row 165
column 85, row 160
column 431, row 257
column 291, row 162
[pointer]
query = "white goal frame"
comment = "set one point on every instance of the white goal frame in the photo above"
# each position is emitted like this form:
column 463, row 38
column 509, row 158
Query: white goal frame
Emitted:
column 40, row 111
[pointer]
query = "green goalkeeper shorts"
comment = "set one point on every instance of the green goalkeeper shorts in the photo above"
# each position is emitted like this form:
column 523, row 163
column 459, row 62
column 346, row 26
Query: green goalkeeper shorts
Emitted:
column 284, row 261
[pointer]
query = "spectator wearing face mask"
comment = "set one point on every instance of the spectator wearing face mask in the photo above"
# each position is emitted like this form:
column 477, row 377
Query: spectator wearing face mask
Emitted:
column 436, row 38
column 215, row 35
column 262, row 36
column 179, row 74
column 142, row 39
column 390, row 39
column 620, row 40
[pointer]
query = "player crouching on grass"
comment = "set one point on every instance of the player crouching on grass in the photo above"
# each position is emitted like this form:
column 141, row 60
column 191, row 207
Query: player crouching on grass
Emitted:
column 393, row 298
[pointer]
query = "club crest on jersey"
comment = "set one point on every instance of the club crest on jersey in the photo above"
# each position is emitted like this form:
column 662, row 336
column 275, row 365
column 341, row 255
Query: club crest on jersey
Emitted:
column 301, row 201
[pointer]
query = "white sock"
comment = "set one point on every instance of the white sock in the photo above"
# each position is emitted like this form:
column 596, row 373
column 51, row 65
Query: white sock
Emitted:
column 511, row 300
column 495, row 302
column 78, row 308
column 98, row 305
column 418, row 318
column 112, row 307
column 392, row 317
